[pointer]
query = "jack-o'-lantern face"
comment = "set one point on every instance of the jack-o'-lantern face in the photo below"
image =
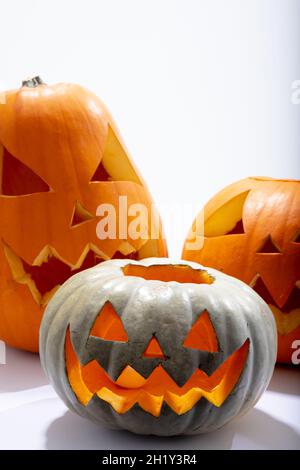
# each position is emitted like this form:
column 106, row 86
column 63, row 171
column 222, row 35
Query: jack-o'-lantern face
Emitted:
column 60, row 158
column 148, row 379
column 251, row 231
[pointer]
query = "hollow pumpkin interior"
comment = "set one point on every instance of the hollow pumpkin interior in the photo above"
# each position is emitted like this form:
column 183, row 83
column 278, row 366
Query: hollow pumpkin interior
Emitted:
column 167, row 273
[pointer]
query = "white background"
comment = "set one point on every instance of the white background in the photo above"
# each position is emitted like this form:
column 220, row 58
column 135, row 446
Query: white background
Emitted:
column 201, row 90
column 202, row 94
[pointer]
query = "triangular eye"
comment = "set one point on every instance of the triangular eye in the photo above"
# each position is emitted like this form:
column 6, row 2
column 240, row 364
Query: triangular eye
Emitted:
column 268, row 246
column 202, row 335
column 17, row 178
column 108, row 325
column 228, row 219
column 100, row 174
column 237, row 229
column 115, row 164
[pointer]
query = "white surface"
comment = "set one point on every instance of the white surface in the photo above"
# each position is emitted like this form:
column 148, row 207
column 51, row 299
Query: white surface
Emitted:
column 201, row 91
column 33, row 417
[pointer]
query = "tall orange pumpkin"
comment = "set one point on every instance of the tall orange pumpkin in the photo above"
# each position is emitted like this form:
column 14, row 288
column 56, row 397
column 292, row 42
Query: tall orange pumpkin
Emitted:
column 61, row 156
column 252, row 232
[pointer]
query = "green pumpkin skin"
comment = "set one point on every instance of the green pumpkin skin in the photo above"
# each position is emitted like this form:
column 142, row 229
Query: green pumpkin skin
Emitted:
column 169, row 309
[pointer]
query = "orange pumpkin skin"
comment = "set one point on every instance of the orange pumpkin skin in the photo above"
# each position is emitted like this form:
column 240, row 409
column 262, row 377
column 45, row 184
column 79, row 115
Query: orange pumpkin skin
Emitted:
column 61, row 157
column 251, row 231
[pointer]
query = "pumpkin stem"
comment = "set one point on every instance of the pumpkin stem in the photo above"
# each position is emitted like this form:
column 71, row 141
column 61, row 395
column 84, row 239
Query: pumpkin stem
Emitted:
column 33, row 82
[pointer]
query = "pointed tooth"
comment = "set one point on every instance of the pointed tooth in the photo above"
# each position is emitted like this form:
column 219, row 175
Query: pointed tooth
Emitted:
column 224, row 379
column 126, row 248
column 130, row 378
column 81, row 258
column 87, row 248
column 19, row 274
column 150, row 403
column 98, row 252
column 183, row 403
column 120, row 403
column 43, row 256
column 15, row 264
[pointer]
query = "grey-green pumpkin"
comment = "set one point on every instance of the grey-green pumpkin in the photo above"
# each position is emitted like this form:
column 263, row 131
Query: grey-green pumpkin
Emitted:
column 158, row 346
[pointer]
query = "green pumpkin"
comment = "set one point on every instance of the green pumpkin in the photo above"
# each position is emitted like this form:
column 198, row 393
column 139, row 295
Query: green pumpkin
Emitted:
column 157, row 346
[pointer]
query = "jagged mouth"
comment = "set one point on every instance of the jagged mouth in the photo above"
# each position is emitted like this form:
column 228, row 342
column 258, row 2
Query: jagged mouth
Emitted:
column 49, row 271
column 150, row 393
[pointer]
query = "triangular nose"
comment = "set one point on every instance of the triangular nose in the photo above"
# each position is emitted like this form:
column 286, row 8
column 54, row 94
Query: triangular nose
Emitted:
column 80, row 214
column 153, row 349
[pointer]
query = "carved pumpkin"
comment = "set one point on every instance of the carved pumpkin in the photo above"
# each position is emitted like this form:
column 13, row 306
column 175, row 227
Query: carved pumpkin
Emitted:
column 61, row 157
column 251, row 231
column 158, row 347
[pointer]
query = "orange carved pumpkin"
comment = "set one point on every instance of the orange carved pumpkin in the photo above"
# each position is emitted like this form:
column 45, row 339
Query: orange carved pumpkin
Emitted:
column 61, row 157
column 252, row 232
